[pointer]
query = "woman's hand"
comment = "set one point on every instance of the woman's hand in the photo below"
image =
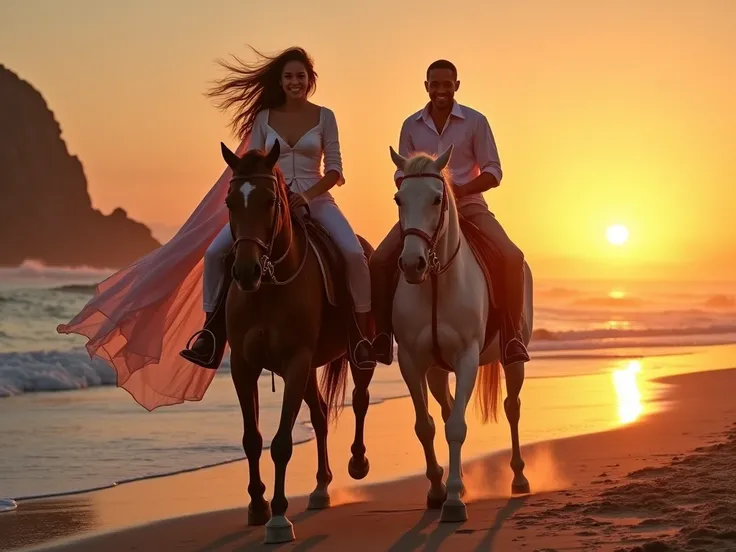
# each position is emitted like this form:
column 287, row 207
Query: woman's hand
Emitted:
column 298, row 201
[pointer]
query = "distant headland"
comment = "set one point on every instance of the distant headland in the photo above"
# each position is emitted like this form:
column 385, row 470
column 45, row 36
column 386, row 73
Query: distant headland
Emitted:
column 45, row 212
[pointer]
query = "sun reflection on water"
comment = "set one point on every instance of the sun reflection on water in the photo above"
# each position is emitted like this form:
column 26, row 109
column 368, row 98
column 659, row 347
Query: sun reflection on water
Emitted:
column 628, row 395
column 618, row 324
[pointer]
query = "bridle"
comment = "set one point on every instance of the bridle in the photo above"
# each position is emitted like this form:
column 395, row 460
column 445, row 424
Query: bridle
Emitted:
column 268, row 266
column 435, row 266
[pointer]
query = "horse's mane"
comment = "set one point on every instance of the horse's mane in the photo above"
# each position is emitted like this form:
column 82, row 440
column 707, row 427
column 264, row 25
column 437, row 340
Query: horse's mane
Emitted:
column 423, row 162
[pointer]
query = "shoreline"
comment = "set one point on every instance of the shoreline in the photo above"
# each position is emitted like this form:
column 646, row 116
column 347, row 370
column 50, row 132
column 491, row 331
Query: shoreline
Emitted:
column 222, row 488
column 614, row 353
column 567, row 475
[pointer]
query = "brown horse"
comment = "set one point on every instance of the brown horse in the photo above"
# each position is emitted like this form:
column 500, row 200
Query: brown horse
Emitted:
column 279, row 317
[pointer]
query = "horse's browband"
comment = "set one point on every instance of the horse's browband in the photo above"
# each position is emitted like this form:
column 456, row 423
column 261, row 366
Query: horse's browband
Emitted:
column 421, row 175
column 256, row 175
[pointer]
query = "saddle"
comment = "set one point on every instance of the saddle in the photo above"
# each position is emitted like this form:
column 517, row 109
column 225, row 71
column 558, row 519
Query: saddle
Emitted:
column 334, row 271
column 331, row 262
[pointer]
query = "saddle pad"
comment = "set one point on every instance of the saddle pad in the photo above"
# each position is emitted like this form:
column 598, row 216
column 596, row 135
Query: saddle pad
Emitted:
column 491, row 263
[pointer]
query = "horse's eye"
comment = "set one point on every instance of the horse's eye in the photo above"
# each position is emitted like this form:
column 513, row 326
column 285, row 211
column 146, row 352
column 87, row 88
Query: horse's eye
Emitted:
column 397, row 201
column 437, row 200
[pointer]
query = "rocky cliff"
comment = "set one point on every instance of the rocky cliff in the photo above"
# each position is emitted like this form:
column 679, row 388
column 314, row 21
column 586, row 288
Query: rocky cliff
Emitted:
column 45, row 209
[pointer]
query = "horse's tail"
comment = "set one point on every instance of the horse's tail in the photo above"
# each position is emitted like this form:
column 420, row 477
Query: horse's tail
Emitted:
column 333, row 384
column 488, row 390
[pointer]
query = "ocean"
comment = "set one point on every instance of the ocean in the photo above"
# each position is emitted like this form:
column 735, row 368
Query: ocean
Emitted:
column 65, row 427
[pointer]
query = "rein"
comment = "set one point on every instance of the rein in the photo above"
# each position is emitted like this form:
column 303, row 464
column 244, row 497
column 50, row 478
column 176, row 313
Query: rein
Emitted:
column 268, row 267
column 435, row 266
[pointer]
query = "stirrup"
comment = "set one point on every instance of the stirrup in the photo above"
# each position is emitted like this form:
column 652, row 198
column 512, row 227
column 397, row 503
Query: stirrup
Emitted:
column 522, row 356
column 390, row 354
column 366, row 365
column 188, row 348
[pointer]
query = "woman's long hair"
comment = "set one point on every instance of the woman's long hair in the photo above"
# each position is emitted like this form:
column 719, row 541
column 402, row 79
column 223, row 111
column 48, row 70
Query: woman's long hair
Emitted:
column 250, row 88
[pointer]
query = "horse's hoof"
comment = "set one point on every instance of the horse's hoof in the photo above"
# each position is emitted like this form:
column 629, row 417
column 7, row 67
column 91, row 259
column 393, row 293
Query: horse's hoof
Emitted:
column 520, row 486
column 436, row 500
column 259, row 516
column 279, row 529
column 454, row 511
column 358, row 469
column 318, row 500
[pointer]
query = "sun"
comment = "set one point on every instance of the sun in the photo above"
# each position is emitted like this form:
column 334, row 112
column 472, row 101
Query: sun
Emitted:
column 617, row 234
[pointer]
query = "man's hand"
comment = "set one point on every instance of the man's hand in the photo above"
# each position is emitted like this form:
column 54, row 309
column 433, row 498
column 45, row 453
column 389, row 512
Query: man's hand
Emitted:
column 482, row 183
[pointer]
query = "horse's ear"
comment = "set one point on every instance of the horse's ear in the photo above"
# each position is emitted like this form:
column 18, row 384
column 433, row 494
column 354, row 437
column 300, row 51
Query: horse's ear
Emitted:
column 273, row 156
column 441, row 162
column 230, row 158
column 398, row 160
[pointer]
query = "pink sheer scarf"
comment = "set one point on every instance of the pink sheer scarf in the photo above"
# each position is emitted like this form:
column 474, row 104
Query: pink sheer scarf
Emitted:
column 143, row 315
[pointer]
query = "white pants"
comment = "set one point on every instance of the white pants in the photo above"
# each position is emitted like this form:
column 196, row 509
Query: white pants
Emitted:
column 327, row 213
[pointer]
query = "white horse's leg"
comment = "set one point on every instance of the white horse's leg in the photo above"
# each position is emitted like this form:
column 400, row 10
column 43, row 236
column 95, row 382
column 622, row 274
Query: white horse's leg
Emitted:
column 514, row 383
column 512, row 407
column 439, row 386
column 424, row 426
column 466, row 370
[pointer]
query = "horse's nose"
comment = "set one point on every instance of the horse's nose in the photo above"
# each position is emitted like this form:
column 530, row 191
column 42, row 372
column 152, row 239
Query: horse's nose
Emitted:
column 255, row 272
column 421, row 264
column 401, row 264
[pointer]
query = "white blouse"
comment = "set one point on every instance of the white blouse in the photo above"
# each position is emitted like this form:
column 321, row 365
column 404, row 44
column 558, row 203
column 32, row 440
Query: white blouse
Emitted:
column 301, row 164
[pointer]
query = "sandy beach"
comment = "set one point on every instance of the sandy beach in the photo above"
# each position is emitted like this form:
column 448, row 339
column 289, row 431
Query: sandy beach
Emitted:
column 662, row 478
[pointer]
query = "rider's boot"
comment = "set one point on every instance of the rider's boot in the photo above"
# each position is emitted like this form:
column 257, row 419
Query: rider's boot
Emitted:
column 209, row 347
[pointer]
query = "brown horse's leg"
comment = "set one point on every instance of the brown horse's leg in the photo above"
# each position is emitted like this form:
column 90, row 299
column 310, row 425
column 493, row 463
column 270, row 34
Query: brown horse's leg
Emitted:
column 358, row 467
column 320, row 498
column 245, row 379
column 279, row 528
column 512, row 407
column 439, row 385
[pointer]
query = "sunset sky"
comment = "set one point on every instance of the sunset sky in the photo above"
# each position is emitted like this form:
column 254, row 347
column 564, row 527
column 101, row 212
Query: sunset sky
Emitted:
column 605, row 112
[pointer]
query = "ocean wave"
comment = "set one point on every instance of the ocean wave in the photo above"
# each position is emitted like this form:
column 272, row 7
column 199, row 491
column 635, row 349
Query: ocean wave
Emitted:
column 34, row 271
column 40, row 371
column 86, row 289
column 7, row 505
column 545, row 335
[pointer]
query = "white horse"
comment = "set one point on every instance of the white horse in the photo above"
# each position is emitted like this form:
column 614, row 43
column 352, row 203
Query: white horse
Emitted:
column 435, row 246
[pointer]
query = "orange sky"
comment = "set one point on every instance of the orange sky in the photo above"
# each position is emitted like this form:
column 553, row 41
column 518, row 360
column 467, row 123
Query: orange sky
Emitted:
column 604, row 111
